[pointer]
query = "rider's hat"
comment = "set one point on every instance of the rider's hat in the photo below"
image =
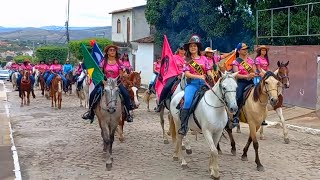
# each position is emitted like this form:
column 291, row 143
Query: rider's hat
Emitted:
column 108, row 47
column 242, row 46
column 42, row 61
column 262, row 47
column 209, row 50
column 195, row 39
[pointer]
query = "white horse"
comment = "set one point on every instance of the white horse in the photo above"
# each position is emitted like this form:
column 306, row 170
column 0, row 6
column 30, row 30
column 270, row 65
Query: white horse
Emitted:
column 83, row 94
column 36, row 77
column 212, row 116
column 14, row 78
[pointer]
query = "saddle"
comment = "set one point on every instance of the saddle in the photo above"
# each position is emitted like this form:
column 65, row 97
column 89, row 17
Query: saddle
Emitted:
column 196, row 99
column 246, row 93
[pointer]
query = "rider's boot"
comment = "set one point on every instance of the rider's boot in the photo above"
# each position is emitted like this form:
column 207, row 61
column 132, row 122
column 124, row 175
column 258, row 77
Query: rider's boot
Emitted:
column 264, row 123
column 184, row 118
column 235, row 120
column 159, row 107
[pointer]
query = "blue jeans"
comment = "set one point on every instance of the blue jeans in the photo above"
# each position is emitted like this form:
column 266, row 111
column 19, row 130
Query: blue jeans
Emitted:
column 242, row 84
column 20, row 77
column 46, row 75
column 190, row 90
column 48, row 82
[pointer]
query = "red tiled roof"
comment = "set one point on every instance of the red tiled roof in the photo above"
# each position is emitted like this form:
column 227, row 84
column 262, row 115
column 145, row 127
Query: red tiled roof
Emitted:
column 124, row 10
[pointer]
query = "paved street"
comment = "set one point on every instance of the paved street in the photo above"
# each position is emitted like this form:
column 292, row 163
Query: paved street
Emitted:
column 58, row 144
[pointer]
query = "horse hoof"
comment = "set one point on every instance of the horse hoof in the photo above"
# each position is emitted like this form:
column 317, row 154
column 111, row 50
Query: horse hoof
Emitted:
column 262, row 138
column 175, row 158
column 109, row 167
column 184, row 166
column 260, row 168
column 121, row 139
column 104, row 150
column 183, row 147
column 244, row 158
column 148, row 110
column 166, row 141
column 286, row 140
column 220, row 152
column 111, row 159
column 189, row 151
column 234, row 152
column 215, row 178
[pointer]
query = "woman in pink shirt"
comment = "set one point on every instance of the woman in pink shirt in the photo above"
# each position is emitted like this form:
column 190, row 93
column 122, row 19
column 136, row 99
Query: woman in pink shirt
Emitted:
column 56, row 68
column 126, row 63
column 112, row 68
column 25, row 67
column 156, row 69
column 196, row 78
column 262, row 59
column 244, row 77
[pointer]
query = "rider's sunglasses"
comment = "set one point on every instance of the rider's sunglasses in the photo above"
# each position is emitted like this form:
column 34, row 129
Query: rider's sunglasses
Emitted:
column 111, row 49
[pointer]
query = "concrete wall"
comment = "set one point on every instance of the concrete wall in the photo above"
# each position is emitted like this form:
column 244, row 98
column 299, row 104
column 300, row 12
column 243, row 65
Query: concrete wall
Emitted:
column 144, row 61
column 122, row 36
column 304, row 76
column 141, row 28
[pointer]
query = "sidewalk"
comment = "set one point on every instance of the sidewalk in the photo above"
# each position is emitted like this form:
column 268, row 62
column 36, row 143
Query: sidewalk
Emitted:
column 298, row 119
column 7, row 166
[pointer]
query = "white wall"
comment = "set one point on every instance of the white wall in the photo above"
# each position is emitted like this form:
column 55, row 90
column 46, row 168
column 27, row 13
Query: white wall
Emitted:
column 122, row 36
column 144, row 61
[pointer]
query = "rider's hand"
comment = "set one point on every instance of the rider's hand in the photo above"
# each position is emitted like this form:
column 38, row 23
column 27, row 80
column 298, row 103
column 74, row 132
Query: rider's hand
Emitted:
column 203, row 77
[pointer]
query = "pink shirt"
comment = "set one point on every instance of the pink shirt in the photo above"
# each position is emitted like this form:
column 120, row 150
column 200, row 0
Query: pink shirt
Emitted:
column 214, row 60
column 203, row 62
column 263, row 63
column 42, row 67
column 14, row 67
column 157, row 66
column 241, row 69
column 111, row 70
column 56, row 68
column 180, row 62
column 126, row 64
column 27, row 67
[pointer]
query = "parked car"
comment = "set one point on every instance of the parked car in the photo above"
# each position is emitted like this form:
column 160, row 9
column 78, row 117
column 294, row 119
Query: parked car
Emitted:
column 4, row 74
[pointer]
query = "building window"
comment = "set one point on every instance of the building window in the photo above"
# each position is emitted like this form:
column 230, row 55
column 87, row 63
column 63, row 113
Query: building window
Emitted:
column 118, row 26
column 128, row 30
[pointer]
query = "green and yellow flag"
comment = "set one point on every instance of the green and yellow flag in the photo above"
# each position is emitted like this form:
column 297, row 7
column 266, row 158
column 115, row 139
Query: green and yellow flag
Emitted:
column 92, row 67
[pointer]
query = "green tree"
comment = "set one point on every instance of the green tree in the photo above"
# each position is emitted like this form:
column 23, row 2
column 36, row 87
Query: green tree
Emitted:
column 21, row 58
column 51, row 52
column 75, row 48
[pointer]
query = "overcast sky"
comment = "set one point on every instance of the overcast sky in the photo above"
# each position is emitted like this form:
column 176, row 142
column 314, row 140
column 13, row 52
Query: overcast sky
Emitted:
column 83, row 13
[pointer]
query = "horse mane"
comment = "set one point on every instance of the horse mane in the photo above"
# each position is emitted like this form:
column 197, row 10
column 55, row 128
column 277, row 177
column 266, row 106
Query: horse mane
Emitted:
column 258, row 89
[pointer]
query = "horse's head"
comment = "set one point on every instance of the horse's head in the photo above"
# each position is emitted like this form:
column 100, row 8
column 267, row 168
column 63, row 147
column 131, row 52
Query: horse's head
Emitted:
column 228, row 86
column 135, row 96
column 135, row 77
column 111, row 94
column 283, row 73
column 269, row 85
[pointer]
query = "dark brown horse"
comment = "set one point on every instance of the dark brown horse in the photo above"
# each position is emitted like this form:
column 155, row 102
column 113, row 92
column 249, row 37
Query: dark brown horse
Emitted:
column 70, row 81
column 25, row 89
column 56, row 91
column 42, row 82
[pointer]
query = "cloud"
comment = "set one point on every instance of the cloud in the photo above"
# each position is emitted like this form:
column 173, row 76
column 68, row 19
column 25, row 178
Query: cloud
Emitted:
column 36, row 13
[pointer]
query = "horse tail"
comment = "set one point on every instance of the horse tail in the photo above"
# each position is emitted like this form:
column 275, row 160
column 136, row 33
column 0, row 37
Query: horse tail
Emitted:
column 172, row 126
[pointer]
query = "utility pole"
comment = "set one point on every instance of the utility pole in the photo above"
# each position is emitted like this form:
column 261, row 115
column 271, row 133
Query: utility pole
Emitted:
column 67, row 28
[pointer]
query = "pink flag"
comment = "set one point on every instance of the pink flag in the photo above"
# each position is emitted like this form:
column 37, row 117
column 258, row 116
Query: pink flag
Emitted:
column 168, row 67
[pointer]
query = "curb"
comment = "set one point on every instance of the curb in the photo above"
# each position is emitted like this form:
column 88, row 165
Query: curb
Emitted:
column 306, row 130
column 16, row 163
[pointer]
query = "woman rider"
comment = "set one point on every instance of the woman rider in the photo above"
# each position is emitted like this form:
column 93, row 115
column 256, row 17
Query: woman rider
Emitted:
column 47, row 73
column 196, row 70
column 245, row 66
column 156, row 70
column 180, row 61
column 111, row 68
column 262, row 62
column 25, row 67
column 56, row 68
column 126, row 63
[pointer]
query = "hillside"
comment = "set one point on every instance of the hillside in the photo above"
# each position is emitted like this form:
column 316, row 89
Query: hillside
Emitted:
column 53, row 33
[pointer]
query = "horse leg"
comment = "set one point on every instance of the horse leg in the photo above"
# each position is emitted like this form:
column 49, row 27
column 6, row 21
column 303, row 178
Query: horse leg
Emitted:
column 186, row 144
column 179, row 153
column 213, row 162
column 172, row 129
column 52, row 101
column 285, row 130
column 233, row 143
column 21, row 96
column 164, row 135
column 256, row 147
column 81, row 103
column 59, row 100
column 120, row 128
column 244, row 156
column 238, row 128
column 262, row 134
column 28, row 98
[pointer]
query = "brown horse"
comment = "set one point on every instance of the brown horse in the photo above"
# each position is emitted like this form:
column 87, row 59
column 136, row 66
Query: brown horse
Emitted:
column 131, row 82
column 56, row 91
column 25, row 89
column 42, row 82
column 282, row 74
column 254, row 111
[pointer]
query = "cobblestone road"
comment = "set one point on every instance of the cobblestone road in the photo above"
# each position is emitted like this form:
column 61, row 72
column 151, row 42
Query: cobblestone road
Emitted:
column 58, row 144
